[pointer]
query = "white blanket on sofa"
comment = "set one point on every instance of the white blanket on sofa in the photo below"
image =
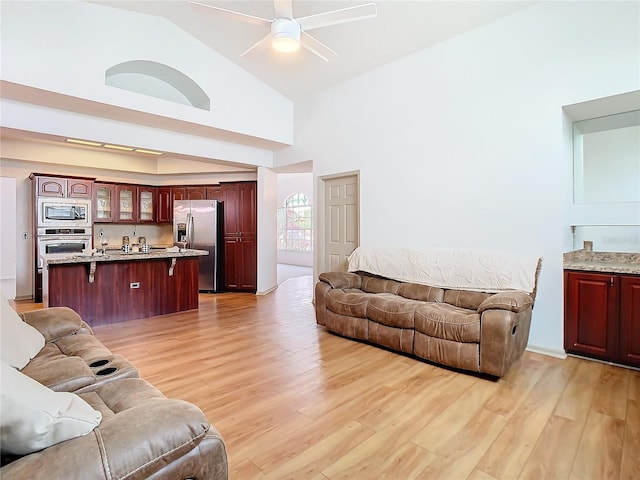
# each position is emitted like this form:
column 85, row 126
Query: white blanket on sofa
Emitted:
column 463, row 269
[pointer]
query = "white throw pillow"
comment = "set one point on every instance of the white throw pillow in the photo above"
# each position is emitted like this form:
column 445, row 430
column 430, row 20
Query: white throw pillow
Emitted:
column 33, row 417
column 19, row 341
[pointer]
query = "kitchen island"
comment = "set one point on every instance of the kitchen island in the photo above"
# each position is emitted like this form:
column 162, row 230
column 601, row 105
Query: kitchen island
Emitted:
column 117, row 287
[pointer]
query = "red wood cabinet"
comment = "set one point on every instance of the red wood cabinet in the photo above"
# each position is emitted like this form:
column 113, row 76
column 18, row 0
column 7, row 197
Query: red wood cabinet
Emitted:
column 630, row 319
column 214, row 192
column 104, row 195
column 147, row 204
column 240, row 240
column 126, row 204
column 63, row 187
column 196, row 193
column 602, row 316
column 165, row 205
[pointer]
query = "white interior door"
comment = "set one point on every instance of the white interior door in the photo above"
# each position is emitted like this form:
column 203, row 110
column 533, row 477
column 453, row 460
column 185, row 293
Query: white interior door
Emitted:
column 342, row 221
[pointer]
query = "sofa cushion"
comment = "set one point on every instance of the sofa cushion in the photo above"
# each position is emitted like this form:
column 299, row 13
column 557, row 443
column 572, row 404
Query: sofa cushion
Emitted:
column 352, row 303
column 465, row 299
column 341, row 279
column 372, row 284
column 33, row 417
column 392, row 310
column 424, row 293
column 20, row 342
column 441, row 320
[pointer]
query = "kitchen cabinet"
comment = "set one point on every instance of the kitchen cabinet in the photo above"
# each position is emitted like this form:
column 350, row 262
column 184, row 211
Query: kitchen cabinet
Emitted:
column 630, row 319
column 147, row 199
column 104, row 195
column 64, row 187
column 602, row 316
column 196, row 193
column 240, row 235
column 127, row 203
column 214, row 192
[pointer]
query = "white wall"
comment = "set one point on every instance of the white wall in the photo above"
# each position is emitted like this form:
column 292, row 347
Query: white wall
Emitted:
column 288, row 184
column 267, row 229
column 66, row 47
column 465, row 144
column 8, row 237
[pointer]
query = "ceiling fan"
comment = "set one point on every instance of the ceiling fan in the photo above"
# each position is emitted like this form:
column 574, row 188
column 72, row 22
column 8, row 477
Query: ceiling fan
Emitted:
column 288, row 34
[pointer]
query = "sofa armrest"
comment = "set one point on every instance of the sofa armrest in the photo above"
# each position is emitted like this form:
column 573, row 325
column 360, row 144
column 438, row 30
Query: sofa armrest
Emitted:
column 503, row 337
column 341, row 279
column 56, row 322
column 514, row 301
column 133, row 444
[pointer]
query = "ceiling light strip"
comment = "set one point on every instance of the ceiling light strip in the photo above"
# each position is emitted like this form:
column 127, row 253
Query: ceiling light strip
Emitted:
column 83, row 142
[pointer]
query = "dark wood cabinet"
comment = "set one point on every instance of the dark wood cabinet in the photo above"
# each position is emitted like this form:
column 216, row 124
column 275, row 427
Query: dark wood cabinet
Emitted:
column 214, row 192
column 63, row 187
column 195, row 193
column 126, row 203
column 630, row 319
column 104, row 195
column 240, row 239
column 165, row 205
column 147, row 201
column 602, row 316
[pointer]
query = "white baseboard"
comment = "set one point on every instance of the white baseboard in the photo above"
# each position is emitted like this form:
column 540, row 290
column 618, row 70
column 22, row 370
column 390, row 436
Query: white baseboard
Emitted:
column 267, row 292
column 551, row 352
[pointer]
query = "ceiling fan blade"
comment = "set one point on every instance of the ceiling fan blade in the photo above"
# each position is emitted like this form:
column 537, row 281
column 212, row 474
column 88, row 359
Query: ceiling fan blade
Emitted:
column 243, row 17
column 316, row 47
column 283, row 9
column 337, row 17
column 260, row 46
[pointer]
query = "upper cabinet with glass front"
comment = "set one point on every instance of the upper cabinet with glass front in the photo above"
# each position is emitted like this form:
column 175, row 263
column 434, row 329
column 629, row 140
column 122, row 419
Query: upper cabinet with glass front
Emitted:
column 147, row 204
column 127, row 198
column 103, row 201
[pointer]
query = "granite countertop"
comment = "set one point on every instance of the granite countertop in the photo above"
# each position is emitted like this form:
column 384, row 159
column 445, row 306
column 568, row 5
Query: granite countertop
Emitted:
column 116, row 255
column 609, row 262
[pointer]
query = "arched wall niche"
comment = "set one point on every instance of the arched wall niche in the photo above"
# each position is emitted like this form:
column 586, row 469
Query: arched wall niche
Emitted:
column 157, row 80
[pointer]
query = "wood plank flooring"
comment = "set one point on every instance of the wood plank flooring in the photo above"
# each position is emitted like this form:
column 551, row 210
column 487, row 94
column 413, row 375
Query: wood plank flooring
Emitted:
column 295, row 402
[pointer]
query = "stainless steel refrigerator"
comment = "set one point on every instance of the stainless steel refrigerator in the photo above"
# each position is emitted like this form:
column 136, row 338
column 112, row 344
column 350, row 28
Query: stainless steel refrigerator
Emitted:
column 199, row 224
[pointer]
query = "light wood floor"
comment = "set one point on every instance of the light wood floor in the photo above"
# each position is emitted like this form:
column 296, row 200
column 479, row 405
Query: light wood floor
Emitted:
column 293, row 401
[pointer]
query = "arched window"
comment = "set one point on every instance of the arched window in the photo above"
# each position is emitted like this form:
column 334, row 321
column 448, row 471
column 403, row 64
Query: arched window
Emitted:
column 295, row 221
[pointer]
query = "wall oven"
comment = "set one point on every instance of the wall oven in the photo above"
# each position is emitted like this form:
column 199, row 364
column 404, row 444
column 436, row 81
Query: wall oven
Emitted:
column 63, row 212
column 54, row 242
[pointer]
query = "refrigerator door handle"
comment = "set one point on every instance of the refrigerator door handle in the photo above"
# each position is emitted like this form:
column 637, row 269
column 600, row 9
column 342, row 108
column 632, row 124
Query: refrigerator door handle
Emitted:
column 190, row 230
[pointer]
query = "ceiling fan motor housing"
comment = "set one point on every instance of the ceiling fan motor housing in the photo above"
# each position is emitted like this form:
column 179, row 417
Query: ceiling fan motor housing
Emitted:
column 285, row 34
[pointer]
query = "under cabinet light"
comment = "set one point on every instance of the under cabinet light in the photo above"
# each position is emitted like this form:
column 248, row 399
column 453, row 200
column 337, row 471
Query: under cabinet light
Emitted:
column 141, row 150
column 83, row 142
column 118, row 147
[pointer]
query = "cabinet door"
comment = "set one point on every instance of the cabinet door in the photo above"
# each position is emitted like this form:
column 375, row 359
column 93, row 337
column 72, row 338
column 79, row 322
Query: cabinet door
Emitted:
column 630, row 320
column 591, row 314
column 240, row 260
column 214, row 192
column 79, row 188
column 103, row 202
column 165, row 205
column 127, row 201
column 247, row 209
column 196, row 193
column 147, row 204
column 231, row 199
column 51, row 186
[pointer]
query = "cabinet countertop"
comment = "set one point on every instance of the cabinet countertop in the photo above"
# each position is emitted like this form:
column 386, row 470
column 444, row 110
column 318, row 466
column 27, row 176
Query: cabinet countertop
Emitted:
column 116, row 256
column 606, row 262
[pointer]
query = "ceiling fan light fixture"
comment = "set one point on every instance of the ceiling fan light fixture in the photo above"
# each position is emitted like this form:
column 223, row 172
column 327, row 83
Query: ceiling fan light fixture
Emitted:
column 285, row 35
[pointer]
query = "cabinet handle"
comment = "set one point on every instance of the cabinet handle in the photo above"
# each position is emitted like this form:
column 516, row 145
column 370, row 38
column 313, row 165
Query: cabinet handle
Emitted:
column 611, row 281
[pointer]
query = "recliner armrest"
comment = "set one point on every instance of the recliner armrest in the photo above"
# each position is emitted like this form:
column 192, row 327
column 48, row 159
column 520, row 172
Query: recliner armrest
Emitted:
column 56, row 322
column 132, row 444
column 341, row 279
column 514, row 301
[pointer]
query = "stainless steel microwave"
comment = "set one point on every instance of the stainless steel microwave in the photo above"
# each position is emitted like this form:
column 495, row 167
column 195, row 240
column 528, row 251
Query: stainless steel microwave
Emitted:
column 74, row 212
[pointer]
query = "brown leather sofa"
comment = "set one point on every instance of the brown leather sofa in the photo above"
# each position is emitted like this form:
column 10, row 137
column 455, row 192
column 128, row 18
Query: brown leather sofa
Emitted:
column 480, row 332
column 141, row 435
